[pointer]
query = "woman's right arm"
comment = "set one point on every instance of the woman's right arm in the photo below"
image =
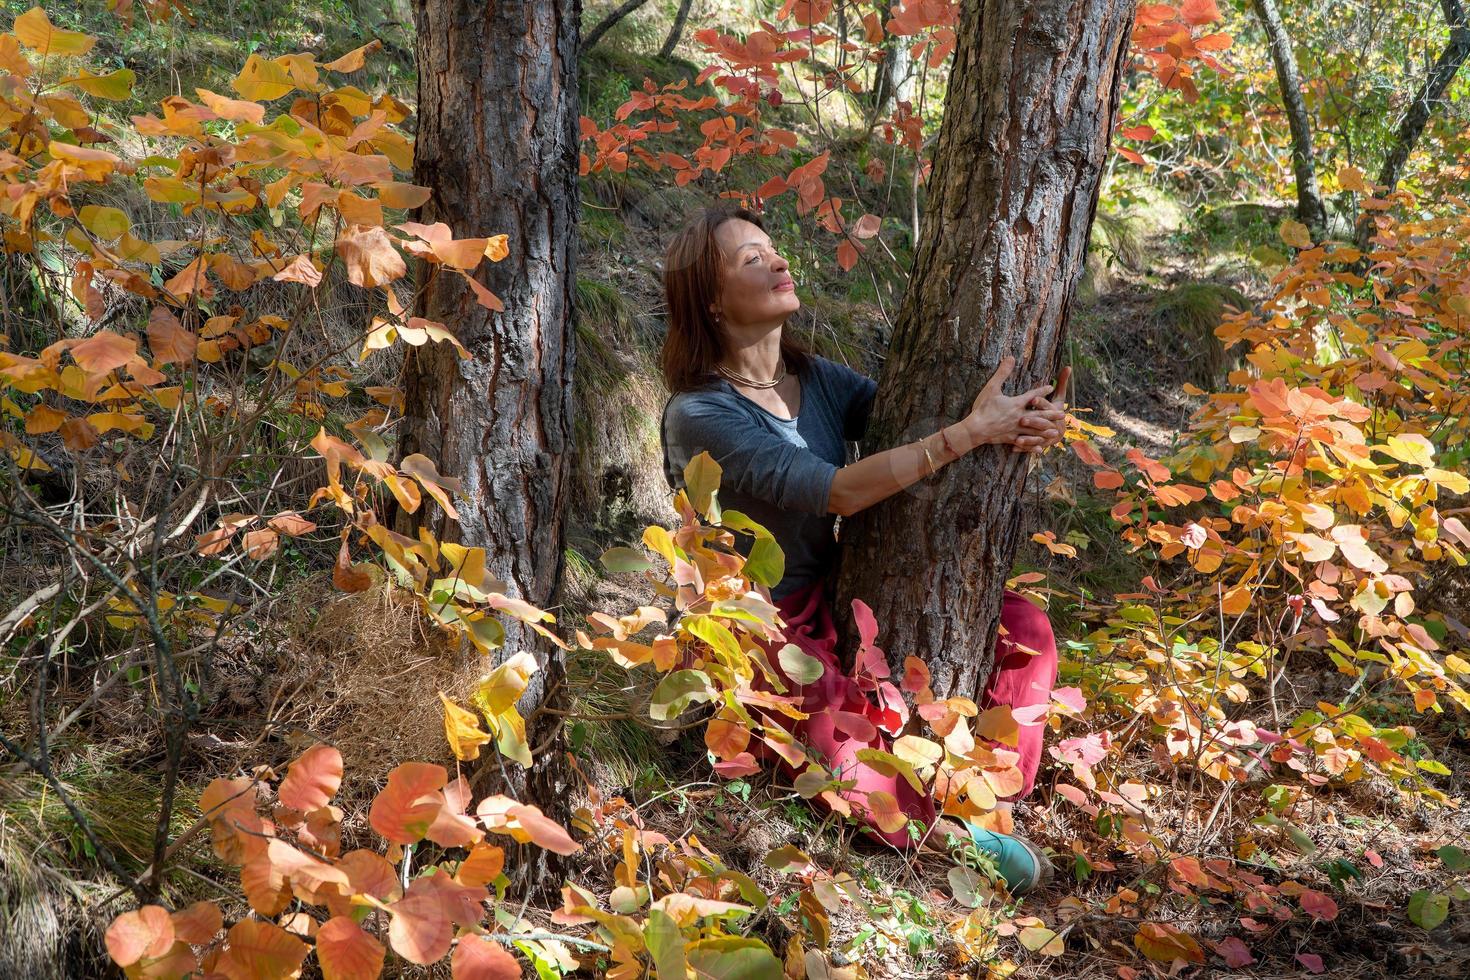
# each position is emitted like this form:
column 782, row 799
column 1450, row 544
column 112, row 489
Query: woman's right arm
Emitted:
column 995, row 419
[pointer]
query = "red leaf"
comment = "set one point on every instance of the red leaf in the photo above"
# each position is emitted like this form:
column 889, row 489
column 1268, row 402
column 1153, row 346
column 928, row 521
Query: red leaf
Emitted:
column 1312, row 962
column 847, row 256
column 1235, row 952
column 1318, row 905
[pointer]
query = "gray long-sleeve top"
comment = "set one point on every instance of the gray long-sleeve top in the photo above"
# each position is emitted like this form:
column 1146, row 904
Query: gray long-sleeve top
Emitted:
column 778, row 472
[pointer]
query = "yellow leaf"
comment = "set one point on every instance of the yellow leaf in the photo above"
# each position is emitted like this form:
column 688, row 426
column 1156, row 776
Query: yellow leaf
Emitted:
column 1295, row 234
column 261, row 80
column 462, row 729
column 35, row 31
column 1412, row 448
column 1040, row 939
column 504, row 685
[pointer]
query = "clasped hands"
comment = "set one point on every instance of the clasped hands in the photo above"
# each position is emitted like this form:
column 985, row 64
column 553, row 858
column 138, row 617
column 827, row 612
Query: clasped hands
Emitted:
column 1027, row 422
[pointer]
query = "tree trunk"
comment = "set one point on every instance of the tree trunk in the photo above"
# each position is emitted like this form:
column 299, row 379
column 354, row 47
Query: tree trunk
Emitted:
column 677, row 31
column 497, row 143
column 1411, row 127
column 1027, row 123
column 609, row 22
column 891, row 79
column 1310, row 210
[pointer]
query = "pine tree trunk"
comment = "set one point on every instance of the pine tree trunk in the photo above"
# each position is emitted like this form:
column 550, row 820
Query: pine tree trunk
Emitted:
column 497, row 143
column 1027, row 123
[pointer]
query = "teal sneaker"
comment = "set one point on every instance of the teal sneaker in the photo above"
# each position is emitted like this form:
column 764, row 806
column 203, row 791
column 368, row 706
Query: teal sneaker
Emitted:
column 1018, row 861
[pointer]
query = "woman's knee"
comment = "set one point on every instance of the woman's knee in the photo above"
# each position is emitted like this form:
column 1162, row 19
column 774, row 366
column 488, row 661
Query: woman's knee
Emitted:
column 1027, row 625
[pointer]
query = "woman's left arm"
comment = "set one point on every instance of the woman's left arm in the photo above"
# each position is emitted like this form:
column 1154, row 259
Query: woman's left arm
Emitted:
column 1028, row 423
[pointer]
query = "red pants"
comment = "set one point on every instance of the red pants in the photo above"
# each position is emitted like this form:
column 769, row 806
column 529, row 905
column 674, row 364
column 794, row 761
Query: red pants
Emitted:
column 1020, row 679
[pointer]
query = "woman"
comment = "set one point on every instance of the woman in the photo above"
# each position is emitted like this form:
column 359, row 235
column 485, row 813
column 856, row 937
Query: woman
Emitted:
column 777, row 419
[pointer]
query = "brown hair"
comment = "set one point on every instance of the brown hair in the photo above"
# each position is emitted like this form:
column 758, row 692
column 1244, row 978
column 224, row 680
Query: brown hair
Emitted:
column 692, row 264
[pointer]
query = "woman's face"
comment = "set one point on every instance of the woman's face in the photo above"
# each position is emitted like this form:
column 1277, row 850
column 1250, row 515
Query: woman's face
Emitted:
column 756, row 287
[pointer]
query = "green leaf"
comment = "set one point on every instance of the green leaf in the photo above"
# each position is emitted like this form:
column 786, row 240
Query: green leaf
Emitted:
column 106, row 223
column 676, row 691
column 717, row 636
column 1454, row 857
column 766, row 563
column 115, row 86
column 701, row 480
column 1428, row 909
column 733, row 958
column 1268, row 256
column 666, row 945
column 799, row 666
column 625, row 560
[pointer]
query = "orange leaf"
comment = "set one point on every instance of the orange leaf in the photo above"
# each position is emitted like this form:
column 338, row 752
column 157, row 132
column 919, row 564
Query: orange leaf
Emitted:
column 847, row 255
column 103, row 352
column 168, row 340
column 370, row 257
column 482, row 959
column 198, row 924
column 300, row 269
column 146, row 933
column 407, row 806
column 1166, row 944
column 484, row 864
column 726, row 736
column 543, row 831
column 421, row 931
column 261, row 949
column 235, row 110
column 312, row 780
column 346, row 952
column 43, row 419
column 884, row 812
column 354, row 59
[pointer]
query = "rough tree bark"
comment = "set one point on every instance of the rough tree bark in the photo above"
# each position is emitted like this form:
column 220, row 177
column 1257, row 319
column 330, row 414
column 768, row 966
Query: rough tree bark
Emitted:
column 1310, row 209
column 497, row 143
column 1027, row 122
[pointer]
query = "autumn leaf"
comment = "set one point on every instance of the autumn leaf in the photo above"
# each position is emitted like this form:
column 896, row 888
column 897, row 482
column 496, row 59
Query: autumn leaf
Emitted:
column 463, row 731
column 406, row 807
column 261, row 949
column 261, row 80
column 476, row 958
column 1166, row 944
column 34, row 30
column 346, row 952
column 104, row 352
column 144, row 934
column 370, row 256
column 354, row 59
column 312, row 779
column 1295, row 234
column 168, row 341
